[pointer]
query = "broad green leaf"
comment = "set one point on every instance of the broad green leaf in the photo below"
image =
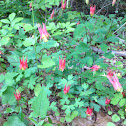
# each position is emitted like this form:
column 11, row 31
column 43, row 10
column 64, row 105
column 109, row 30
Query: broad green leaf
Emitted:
column 6, row 21
column 68, row 118
column 110, row 112
column 14, row 121
column 122, row 102
column 8, row 96
column 46, row 62
column 1, row 78
column 110, row 124
column 74, row 114
column 4, row 40
column 29, row 41
column 28, row 27
column 104, row 47
column 41, row 104
column 48, row 124
column 17, row 20
column 37, row 89
column 101, row 101
column 115, row 118
column 115, row 101
column 11, row 16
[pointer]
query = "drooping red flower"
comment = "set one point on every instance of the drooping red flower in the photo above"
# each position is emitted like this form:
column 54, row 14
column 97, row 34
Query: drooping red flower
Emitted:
column 62, row 63
column 123, row 93
column 89, row 111
column 23, row 64
column 30, row 5
column 115, row 82
column 23, row 27
column 92, row 10
column 110, row 74
column 66, row 89
column 78, row 22
column 17, row 95
column 43, row 33
column 95, row 68
column 52, row 14
column 63, row 5
column 113, row 2
column 107, row 101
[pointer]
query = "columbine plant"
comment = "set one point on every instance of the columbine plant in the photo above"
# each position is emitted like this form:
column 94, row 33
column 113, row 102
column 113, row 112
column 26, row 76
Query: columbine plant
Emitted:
column 66, row 89
column 62, row 63
column 114, row 81
column 17, row 95
column 43, row 33
column 52, row 14
column 89, row 111
column 23, row 64
column 92, row 10
column 63, row 5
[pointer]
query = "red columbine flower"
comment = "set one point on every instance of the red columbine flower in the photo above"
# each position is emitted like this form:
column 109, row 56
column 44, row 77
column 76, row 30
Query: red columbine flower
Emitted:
column 95, row 68
column 78, row 22
column 89, row 111
column 62, row 63
column 123, row 93
column 113, row 2
column 17, row 95
column 43, row 33
column 52, row 14
column 110, row 74
column 23, row 64
column 107, row 101
column 114, row 81
column 92, row 10
column 66, row 89
column 63, row 5
column 30, row 5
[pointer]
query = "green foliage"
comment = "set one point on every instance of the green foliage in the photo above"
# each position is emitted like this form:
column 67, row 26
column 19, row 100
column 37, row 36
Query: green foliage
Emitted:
column 40, row 105
column 115, row 118
column 19, row 37
column 14, row 121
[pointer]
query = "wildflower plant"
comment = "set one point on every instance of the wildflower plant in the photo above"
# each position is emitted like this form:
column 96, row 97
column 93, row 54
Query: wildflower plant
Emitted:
column 54, row 66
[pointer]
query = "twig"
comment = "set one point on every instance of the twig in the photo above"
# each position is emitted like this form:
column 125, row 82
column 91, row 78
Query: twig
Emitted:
column 120, row 53
column 119, row 28
column 102, row 8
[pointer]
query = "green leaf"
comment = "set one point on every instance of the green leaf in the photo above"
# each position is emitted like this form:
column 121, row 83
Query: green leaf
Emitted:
column 115, row 118
column 121, row 112
column 110, row 112
column 101, row 101
column 47, row 62
column 122, row 102
column 4, row 40
column 1, row 78
column 8, row 96
column 11, row 16
column 48, row 124
column 110, row 124
column 41, row 104
column 68, row 118
column 53, row 106
column 115, row 101
column 17, row 20
column 124, row 122
column 62, row 119
column 28, row 27
column 29, row 41
column 14, row 121
column 5, row 21
column 74, row 114
column 96, row 107
column 104, row 47
column 37, row 89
